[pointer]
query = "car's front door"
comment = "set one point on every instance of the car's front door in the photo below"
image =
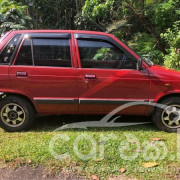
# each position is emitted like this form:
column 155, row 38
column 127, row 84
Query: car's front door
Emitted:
column 43, row 70
column 108, row 78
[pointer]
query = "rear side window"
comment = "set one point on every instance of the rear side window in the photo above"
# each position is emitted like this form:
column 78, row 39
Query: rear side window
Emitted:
column 7, row 52
column 46, row 52
column 103, row 55
column 52, row 52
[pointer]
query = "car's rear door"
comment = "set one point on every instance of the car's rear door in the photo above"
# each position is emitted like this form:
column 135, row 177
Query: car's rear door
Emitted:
column 44, row 71
column 107, row 76
column 8, row 46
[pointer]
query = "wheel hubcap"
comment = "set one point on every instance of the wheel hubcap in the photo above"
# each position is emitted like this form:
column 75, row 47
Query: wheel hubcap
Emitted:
column 171, row 116
column 13, row 115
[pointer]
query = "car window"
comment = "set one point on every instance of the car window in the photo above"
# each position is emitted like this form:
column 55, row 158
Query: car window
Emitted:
column 3, row 36
column 6, row 54
column 103, row 55
column 52, row 52
column 25, row 54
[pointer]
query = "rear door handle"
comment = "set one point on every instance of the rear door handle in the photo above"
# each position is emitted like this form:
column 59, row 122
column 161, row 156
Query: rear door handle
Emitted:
column 90, row 76
column 21, row 74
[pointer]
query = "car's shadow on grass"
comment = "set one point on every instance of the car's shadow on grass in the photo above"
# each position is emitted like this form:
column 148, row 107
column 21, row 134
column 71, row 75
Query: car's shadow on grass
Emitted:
column 51, row 123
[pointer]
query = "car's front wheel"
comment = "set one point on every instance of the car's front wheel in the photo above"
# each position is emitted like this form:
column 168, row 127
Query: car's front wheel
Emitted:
column 16, row 114
column 167, row 117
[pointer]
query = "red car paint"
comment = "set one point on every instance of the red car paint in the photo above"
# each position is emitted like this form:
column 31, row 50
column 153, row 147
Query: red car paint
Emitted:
column 77, row 90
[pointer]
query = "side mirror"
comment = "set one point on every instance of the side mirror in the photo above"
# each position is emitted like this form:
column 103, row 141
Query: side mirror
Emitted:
column 139, row 64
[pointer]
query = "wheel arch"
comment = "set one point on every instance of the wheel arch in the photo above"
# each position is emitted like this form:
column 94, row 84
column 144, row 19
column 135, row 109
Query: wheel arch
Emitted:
column 164, row 97
column 167, row 96
column 7, row 94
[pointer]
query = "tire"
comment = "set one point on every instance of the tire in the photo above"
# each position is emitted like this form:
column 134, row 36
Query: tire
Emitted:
column 167, row 118
column 16, row 114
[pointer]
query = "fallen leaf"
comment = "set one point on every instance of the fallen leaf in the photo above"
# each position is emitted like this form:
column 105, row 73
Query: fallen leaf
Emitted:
column 122, row 170
column 157, row 139
column 153, row 140
column 28, row 161
column 112, row 178
column 44, row 176
column 98, row 160
column 151, row 164
column 94, row 177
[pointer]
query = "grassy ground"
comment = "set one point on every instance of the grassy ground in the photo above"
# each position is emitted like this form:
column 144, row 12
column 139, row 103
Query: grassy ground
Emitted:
column 32, row 148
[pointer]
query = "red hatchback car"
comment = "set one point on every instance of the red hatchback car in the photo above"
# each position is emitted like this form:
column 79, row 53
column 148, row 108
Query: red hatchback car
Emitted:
column 80, row 72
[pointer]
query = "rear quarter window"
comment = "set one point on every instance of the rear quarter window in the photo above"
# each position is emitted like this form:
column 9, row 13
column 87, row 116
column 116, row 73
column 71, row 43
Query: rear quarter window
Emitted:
column 7, row 52
column 3, row 37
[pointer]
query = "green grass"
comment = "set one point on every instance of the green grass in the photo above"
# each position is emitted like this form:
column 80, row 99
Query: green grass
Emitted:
column 32, row 148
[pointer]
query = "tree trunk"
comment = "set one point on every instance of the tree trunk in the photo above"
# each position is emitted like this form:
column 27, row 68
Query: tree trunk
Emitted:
column 147, row 25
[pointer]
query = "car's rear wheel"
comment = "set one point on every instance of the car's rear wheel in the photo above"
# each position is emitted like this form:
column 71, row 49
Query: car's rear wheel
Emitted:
column 167, row 118
column 16, row 114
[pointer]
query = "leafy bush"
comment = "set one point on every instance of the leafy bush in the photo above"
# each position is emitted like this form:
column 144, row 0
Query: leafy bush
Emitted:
column 145, row 45
column 172, row 37
column 163, row 14
column 13, row 16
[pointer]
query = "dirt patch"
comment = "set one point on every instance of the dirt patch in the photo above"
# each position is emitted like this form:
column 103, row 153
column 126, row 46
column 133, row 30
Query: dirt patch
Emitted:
column 30, row 173
column 37, row 173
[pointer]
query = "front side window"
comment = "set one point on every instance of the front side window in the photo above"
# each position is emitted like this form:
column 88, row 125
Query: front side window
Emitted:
column 6, row 54
column 103, row 55
column 52, row 52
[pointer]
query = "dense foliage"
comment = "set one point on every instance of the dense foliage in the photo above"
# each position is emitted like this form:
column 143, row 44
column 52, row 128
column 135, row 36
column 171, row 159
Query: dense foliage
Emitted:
column 172, row 37
column 13, row 16
column 151, row 27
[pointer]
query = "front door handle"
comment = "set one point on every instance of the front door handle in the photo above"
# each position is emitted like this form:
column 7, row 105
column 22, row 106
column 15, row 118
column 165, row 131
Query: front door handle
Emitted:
column 90, row 76
column 21, row 74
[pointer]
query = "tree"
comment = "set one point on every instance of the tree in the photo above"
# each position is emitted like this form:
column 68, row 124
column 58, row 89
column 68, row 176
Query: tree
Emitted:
column 142, row 24
column 13, row 16
column 54, row 14
column 172, row 37
column 132, row 16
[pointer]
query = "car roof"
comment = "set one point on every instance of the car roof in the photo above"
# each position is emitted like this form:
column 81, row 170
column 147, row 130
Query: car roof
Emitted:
column 60, row 31
column 78, row 32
